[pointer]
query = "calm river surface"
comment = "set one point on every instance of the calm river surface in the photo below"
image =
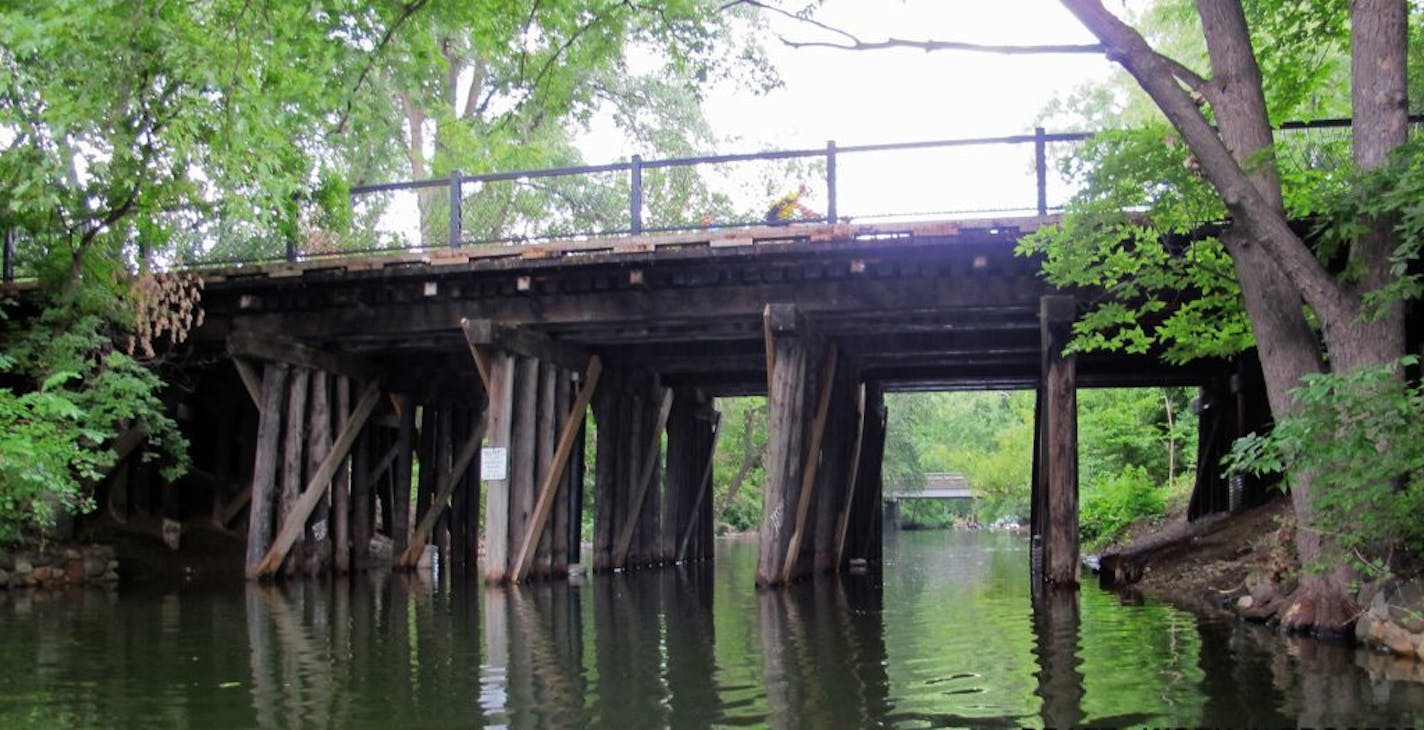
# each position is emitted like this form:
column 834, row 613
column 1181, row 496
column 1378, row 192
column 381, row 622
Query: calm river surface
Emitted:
column 947, row 637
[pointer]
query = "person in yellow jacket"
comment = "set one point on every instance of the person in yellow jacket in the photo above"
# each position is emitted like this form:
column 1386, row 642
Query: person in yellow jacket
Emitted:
column 789, row 207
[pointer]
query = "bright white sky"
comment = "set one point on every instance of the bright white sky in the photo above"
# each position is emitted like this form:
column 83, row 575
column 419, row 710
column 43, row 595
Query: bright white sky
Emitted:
column 902, row 95
column 907, row 94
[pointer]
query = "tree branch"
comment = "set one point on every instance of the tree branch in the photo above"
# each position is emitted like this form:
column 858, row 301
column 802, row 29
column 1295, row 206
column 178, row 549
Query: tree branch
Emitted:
column 930, row 46
column 1242, row 199
column 407, row 11
column 853, row 42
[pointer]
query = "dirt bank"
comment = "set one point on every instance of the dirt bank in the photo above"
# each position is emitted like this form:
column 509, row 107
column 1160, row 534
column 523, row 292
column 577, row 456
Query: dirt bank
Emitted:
column 1243, row 565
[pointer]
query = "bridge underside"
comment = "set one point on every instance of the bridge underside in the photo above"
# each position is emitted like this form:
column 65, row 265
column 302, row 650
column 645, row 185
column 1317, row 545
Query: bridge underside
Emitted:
column 515, row 343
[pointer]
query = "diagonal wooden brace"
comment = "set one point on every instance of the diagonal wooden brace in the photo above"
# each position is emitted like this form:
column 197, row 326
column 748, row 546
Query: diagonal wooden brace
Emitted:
column 645, row 478
column 812, row 460
column 296, row 521
column 555, row 476
column 448, row 480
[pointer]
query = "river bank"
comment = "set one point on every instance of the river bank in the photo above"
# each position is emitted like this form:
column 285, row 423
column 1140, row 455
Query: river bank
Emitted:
column 1241, row 565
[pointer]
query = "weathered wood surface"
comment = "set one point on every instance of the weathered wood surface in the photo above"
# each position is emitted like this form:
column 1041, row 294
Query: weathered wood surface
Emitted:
column 501, row 421
column 298, row 390
column 251, row 381
column 1060, row 412
column 341, row 488
column 691, row 244
column 298, row 354
column 810, row 462
column 294, row 522
column 523, row 341
column 554, row 476
column 399, row 526
column 548, row 427
column 522, row 450
column 264, row 465
column 449, row 479
column 704, row 490
column 851, row 478
column 785, row 445
column 648, row 465
column 608, row 416
column 317, row 529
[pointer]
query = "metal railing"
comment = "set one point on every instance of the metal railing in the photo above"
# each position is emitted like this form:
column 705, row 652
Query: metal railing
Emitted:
column 453, row 194
column 636, row 167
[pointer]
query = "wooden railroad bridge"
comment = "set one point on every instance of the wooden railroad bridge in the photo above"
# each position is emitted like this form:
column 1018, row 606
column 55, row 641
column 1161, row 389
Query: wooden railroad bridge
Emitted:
column 360, row 368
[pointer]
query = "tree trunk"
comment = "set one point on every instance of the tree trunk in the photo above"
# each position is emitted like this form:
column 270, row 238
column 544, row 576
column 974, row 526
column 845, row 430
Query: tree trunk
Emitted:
column 751, row 457
column 1275, row 268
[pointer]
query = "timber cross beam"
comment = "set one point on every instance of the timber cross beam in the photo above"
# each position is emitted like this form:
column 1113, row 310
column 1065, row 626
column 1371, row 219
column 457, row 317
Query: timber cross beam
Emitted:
column 292, row 352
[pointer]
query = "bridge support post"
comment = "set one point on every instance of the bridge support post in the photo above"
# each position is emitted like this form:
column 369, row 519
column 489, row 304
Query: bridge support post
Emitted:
column 265, row 464
column 1056, row 484
column 631, row 414
column 834, row 474
column 531, row 514
column 866, row 512
column 689, row 461
column 788, row 358
column 800, row 502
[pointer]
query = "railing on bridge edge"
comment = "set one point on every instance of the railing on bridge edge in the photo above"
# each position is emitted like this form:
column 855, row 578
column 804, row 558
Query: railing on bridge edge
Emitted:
column 635, row 167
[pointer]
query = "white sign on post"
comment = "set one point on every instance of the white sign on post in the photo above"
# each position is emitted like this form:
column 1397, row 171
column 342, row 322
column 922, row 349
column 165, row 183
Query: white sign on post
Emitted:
column 494, row 464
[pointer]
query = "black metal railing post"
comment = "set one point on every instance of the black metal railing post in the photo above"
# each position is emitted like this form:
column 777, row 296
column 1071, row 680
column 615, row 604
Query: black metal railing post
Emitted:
column 7, row 272
column 1040, row 168
column 635, row 196
column 456, row 221
column 831, row 181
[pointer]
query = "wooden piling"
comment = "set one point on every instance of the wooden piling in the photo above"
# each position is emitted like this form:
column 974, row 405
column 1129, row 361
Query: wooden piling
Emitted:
column 361, row 514
column 607, row 413
column 794, row 564
column 428, row 457
column 341, row 487
column 560, row 509
column 400, row 483
column 786, row 406
column 522, row 450
column 501, row 367
column 1060, row 412
column 315, row 488
column 852, row 476
column 317, row 534
column 264, row 464
column 460, row 499
column 553, row 477
column 292, row 453
column 642, row 509
column 547, row 424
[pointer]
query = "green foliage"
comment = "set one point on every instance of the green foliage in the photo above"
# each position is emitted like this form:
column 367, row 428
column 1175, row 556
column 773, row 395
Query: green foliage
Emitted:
column 74, row 392
column 741, row 445
column 1360, row 438
column 1113, row 503
column 1131, row 233
column 1344, row 209
column 1136, row 450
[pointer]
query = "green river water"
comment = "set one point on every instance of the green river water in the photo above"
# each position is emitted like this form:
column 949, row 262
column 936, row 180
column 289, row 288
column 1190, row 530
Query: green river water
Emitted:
column 947, row 636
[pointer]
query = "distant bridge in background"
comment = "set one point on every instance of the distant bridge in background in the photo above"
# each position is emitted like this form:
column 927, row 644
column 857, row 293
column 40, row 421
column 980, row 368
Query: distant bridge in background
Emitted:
column 937, row 486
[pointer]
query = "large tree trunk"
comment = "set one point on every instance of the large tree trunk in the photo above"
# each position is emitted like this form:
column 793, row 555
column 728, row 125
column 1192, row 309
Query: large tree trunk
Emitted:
column 1285, row 342
column 1276, row 269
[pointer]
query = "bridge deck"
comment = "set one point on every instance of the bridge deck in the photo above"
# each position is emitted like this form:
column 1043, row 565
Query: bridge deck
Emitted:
column 930, row 304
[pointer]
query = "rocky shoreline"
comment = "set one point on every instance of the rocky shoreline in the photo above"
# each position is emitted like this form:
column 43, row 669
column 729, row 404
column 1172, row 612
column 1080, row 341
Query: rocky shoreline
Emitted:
column 60, row 566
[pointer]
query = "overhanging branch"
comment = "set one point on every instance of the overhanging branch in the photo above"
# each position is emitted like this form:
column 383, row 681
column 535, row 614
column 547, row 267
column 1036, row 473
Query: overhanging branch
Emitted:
column 853, row 42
